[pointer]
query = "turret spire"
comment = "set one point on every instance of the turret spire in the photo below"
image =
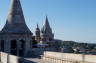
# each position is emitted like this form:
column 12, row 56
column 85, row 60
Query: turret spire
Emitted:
column 37, row 26
column 15, row 22
column 37, row 29
column 37, row 33
column 15, row 14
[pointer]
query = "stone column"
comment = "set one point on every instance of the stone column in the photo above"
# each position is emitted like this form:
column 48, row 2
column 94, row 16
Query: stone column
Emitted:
column 27, row 47
column 18, row 47
column 7, row 45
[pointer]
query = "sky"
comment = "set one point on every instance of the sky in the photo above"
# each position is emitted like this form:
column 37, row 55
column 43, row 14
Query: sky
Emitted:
column 72, row 20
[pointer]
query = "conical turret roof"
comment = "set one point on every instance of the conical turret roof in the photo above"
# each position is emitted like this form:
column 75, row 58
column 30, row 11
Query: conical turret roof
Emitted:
column 15, row 21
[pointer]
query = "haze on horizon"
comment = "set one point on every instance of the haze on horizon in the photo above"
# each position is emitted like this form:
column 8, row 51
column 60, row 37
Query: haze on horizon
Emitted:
column 70, row 19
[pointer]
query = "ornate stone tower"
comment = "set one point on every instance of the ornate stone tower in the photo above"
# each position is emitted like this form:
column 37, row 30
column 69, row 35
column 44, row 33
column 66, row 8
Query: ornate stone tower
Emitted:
column 46, row 33
column 37, row 33
column 15, row 37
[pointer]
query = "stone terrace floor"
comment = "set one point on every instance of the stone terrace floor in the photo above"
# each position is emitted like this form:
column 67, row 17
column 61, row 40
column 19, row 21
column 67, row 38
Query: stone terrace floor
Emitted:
column 34, row 60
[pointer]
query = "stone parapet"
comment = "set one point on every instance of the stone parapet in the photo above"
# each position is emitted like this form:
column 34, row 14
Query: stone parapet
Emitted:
column 56, row 57
column 7, row 58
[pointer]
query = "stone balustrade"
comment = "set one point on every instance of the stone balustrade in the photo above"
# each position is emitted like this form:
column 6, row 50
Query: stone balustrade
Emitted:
column 56, row 57
column 7, row 58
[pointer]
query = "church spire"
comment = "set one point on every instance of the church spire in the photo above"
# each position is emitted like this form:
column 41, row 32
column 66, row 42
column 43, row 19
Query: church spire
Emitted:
column 46, row 28
column 37, row 33
column 46, row 32
column 47, row 23
column 37, row 26
column 37, row 29
column 15, row 21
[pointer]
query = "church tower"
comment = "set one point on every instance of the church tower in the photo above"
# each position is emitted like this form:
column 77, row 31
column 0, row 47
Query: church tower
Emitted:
column 37, row 34
column 46, row 33
column 15, row 37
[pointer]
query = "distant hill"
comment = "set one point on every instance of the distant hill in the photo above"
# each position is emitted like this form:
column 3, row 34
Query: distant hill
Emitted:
column 75, row 47
column 76, row 44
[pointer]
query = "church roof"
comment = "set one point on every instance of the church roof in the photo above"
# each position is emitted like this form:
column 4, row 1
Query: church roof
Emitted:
column 15, row 21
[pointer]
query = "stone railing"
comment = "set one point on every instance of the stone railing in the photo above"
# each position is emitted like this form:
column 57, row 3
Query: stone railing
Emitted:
column 7, row 58
column 56, row 57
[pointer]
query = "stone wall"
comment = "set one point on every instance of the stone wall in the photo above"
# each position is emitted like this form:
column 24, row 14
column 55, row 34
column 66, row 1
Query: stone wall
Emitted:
column 57, row 57
column 7, row 58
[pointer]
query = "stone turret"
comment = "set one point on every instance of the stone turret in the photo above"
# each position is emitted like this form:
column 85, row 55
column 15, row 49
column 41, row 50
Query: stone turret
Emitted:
column 37, row 33
column 15, row 37
column 15, row 23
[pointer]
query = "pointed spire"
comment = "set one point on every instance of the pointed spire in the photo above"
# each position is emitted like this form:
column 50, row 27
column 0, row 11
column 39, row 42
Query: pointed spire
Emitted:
column 15, row 14
column 15, row 23
column 37, row 26
column 47, row 22
column 46, row 28
column 42, row 30
column 46, row 32
column 37, row 29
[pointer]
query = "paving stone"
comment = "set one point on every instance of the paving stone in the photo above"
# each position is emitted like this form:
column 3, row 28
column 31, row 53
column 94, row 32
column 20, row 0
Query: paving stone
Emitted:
column 35, row 60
